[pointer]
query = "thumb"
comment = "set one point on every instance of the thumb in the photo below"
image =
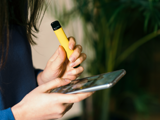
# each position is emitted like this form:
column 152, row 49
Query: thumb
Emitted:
column 58, row 58
column 58, row 82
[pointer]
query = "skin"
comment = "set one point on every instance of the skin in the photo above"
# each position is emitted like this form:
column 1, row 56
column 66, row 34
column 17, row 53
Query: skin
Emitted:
column 59, row 71
column 59, row 66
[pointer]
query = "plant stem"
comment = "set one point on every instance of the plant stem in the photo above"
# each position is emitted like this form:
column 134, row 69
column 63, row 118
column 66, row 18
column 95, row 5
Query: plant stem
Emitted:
column 137, row 44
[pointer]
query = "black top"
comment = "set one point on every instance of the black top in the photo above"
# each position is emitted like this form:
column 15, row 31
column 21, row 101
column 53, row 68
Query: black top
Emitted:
column 55, row 25
column 18, row 77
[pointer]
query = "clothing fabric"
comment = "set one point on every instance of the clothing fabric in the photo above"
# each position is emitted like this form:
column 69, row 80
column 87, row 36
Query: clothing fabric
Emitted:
column 18, row 77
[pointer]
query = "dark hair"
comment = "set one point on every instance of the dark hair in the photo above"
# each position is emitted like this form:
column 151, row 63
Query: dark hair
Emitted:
column 26, row 13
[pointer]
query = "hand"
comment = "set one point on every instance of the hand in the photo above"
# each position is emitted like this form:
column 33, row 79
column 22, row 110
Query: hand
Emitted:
column 60, row 66
column 40, row 105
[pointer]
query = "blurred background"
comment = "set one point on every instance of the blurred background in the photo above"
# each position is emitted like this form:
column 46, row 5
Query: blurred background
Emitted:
column 115, row 34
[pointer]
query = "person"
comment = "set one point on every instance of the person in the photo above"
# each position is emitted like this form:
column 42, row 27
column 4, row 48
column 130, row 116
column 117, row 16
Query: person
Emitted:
column 23, row 89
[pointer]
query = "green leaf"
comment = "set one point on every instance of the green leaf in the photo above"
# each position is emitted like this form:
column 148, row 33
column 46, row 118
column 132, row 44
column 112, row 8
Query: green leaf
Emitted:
column 135, row 45
column 147, row 16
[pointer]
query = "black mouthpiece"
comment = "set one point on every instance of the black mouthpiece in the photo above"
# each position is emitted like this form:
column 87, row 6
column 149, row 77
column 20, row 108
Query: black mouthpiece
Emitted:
column 55, row 25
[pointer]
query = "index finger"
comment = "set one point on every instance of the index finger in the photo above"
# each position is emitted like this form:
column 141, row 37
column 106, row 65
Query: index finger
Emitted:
column 72, row 98
column 72, row 43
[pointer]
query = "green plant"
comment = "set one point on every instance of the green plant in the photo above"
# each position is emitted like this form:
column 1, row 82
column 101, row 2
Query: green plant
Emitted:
column 114, row 30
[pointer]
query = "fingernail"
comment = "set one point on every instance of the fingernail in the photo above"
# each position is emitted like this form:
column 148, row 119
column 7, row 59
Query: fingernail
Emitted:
column 71, row 47
column 72, row 64
column 71, row 59
column 67, row 80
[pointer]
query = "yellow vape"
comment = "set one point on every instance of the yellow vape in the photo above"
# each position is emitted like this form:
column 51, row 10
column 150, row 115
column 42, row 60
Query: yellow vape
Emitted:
column 58, row 30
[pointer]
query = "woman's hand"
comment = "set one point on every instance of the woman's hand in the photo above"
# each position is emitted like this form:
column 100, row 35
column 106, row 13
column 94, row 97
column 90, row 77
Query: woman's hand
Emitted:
column 60, row 66
column 40, row 105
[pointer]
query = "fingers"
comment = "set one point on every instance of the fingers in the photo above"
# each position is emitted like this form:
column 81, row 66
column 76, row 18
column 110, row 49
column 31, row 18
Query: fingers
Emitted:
column 72, row 98
column 76, row 53
column 75, row 71
column 53, row 84
column 72, row 43
column 61, row 109
column 77, row 57
column 59, row 55
column 58, row 58
column 55, row 55
column 81, row 58
column 67, row 106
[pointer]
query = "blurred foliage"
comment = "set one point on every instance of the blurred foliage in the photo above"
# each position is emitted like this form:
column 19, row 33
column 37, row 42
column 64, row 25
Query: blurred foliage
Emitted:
column 114, row 30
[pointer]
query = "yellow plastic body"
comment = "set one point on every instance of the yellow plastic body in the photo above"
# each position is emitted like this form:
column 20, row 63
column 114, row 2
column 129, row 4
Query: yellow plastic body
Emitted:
column 63, row 41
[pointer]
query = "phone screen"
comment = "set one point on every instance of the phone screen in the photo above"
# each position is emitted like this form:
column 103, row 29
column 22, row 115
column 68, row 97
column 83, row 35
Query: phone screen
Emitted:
column 83, row 83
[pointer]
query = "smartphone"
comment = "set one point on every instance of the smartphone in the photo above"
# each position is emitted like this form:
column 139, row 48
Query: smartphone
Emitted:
column 94, row 83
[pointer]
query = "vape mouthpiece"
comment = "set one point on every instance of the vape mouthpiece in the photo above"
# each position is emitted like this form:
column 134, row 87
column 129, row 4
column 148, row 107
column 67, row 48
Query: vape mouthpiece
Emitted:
column 55, row 25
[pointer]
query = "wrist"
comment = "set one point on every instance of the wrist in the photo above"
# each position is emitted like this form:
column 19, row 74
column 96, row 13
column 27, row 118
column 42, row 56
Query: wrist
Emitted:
column 18, row 112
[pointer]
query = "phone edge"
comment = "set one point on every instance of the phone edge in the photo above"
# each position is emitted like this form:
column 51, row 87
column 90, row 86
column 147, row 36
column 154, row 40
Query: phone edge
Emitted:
column 100, row 87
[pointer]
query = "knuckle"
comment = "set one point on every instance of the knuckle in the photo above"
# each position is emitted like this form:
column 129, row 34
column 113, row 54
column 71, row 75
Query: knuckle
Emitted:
column 58, row 80
column 77, row 75
column 89, row 94
column 43, row 86
column 76, row 53
column 84, row 55
column 61, row 110
column 71, row 38
column 80, row 47
column 78, row 99
column 81, row 69
column 75, row 71
column 81, row 59
column 59, row 116
column 51, row 60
